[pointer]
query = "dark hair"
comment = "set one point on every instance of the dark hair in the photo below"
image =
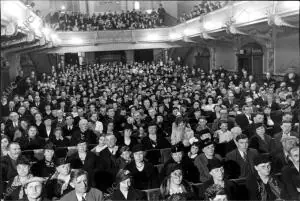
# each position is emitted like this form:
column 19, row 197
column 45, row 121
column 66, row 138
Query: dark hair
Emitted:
column 77, row 173
column 22, row 160
column 240, row 137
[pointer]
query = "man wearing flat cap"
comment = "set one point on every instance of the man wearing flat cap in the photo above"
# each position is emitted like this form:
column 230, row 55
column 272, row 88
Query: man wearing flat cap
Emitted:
column 261, row 184
column 144, row 175
column 178, row 157
column 34, row 189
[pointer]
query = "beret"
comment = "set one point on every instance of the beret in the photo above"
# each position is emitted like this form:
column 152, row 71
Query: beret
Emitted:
column 206, row 142
column 261, row 158
column 137, row 148
column 213, row 164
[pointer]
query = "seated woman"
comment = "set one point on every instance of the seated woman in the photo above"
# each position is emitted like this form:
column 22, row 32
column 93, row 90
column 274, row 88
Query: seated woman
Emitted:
column 46, row 166
column 59, row 183
column 261, row 184
column 15, row 187
column 100, row 146
column 216, row 170
column 61, row 143
column 209, row 106
column 260, row 140
column 125, row 158
column 203, row 159
column 195, row 149
column 124, row 190
column 32, row 140
column 174, row 187
column 144, row 175
column 181, row 132
column 127, row 139
column 4, row 145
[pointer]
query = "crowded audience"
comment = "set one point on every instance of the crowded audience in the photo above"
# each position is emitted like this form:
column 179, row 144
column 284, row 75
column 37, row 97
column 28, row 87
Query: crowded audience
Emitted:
column 202, row 8
column 135, row 19
column 112, row 131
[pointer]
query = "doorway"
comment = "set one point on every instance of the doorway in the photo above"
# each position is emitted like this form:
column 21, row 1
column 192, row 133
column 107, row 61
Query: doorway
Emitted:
column 202, row 59
column 250, row 58
column 143, row 55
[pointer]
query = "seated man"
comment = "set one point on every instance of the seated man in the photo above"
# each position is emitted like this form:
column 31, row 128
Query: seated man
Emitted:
column 281, row 157
column 291, row 177
column 8, row 162
column 240, row 160
column 33, row 189
column 286, row 127
column 82, row 191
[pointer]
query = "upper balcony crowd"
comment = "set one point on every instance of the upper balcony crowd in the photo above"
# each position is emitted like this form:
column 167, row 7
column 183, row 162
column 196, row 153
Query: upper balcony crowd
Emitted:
column 126, row 20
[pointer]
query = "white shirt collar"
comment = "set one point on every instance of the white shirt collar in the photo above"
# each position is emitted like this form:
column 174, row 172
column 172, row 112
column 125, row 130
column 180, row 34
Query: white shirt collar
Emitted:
column 79, row 197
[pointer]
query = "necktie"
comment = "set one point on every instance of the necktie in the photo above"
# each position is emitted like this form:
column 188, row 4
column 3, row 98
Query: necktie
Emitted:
column 245, row 156
column 83, row 199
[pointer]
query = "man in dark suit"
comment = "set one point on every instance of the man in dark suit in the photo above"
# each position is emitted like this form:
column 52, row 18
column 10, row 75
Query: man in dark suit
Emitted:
column 84, row 159
column 230, row 101
column 291, row 176
column 12, row 125
column 8, row 162
column 83, row 133
column 257, row 118
column 82, row 190
column 69, row 127
column 244, row 119
column 107, row 158
column 281, row 156
column 240, row 160
column 39, row 104
column 286, row 127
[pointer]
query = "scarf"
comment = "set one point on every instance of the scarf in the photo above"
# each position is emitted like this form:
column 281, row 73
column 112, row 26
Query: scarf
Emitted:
column 274, row 186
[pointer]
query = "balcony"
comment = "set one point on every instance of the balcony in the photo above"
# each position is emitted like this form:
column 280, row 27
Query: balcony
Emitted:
column 213, row 26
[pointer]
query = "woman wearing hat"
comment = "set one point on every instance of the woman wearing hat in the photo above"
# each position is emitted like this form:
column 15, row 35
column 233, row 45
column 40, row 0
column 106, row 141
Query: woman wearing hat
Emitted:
column 174, row 187
column 190, row 172
column 144, row 174
column 202, row 160
column 260, row 140
column 15, row 187
column 127, row 139
column 59, row 182
column 262, row 185
column 124, row 190
column 195, row 149
column 46, row 166
column 216, row 170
